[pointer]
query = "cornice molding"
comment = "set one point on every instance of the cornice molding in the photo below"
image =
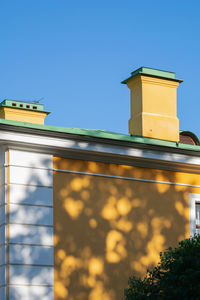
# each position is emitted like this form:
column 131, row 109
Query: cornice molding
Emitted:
column 101, row 151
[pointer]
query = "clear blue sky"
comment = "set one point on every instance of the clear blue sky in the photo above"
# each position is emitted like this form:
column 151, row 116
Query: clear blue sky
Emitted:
column 75, row 54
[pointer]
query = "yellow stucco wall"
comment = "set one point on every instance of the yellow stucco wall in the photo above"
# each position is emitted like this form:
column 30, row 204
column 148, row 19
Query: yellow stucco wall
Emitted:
column 22, row 115
column 107, row 229
column 153, row 108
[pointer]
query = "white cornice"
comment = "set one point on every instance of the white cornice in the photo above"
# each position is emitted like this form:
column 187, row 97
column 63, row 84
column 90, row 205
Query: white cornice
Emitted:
column 55, row 145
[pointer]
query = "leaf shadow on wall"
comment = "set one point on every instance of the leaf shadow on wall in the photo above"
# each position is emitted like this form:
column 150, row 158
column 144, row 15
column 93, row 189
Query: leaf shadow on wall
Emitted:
column 31, row 256
column 107, row 229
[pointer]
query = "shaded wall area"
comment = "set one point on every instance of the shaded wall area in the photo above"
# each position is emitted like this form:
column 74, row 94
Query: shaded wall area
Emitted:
column 28, row 227
column 107, row 229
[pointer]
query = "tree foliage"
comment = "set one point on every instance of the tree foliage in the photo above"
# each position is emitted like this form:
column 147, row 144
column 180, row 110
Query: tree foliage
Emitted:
column 177, row 275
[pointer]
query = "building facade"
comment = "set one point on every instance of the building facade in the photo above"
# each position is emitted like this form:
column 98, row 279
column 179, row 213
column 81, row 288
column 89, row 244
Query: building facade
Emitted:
column 82, row 210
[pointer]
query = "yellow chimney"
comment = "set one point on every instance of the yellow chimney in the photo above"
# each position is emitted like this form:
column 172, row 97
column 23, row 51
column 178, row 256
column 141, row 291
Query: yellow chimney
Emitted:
column 15, row 110
column 153, row 104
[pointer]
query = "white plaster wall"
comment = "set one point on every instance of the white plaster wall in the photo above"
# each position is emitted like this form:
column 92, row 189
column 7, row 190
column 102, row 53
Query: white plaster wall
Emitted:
column 2, row 192
column 29, row 214
column 30, row 235
column 2, row 255
column 31, row 293
column 2, row 214
column 2, row 276
column 2, row 234
column 3, row 293
column 30, row 159
column 3, row 227
column 31, row 176
column 2, row 176
column 31, row 255
column 34, row 195
column 31, row 275
column 31, row 271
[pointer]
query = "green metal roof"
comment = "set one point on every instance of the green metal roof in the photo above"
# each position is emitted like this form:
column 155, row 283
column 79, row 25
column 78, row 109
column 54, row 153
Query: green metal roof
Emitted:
column 102, row 134
column 153, row 72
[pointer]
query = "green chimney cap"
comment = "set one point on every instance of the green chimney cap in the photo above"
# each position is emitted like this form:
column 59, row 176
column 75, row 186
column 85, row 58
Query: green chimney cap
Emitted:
column 153, row 72
column 23, row 105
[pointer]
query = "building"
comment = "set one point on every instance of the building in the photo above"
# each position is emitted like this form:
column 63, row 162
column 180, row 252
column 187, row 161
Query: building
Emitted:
column 82, row 210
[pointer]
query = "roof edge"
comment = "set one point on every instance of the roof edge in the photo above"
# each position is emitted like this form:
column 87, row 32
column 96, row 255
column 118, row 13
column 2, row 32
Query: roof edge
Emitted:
column 102, row 134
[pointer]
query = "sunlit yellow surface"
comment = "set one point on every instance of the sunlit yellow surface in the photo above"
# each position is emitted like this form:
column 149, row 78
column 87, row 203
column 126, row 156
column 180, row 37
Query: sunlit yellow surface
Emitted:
column 107, row 229
column 153, row 108
column 22, row 115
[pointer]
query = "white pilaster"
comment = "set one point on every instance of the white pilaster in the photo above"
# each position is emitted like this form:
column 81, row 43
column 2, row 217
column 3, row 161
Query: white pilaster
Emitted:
column 31, row 266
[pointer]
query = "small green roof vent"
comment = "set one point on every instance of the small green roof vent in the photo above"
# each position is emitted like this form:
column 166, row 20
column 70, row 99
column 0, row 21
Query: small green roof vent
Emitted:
column 22, row 111
column 22, row 105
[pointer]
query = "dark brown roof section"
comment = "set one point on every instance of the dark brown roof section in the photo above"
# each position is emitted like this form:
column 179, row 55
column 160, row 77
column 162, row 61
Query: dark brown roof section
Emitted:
column 187, row 137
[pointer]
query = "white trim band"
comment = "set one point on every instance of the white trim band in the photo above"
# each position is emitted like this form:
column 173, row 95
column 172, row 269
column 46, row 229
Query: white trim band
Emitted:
column 54, row 144
column 126, row 178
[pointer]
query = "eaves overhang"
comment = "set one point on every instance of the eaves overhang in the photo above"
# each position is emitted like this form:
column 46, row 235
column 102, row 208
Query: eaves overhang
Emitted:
column 100, row 136
column 80, row 146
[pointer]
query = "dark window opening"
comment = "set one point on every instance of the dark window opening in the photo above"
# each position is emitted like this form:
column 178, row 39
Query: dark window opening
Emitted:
column 197, row 216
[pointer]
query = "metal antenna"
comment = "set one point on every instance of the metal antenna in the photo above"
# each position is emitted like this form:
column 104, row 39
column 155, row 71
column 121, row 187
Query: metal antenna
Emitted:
column 38, row 101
